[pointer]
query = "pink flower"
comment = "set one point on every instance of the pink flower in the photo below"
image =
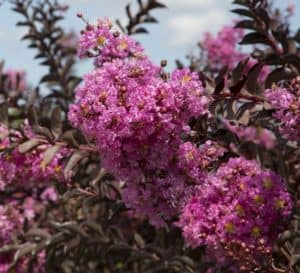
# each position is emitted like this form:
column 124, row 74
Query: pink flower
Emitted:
column 15, row 81
column 137, row 119
column 221, row 50
column 286, row 103
column 256, row 135
column 29, row 168
column 291, row 8
column 240, row 204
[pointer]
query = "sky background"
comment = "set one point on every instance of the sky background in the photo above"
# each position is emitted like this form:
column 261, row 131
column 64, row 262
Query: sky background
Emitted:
column 181, row 26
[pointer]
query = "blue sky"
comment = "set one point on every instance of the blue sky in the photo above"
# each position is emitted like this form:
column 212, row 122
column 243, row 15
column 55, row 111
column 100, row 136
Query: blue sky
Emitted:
column 181, row 27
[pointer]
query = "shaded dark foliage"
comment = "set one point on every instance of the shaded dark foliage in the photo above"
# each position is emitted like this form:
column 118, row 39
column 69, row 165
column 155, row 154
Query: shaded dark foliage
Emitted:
column 86, row 230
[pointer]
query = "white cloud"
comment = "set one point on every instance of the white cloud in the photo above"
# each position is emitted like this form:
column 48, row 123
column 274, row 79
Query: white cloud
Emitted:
column 179, row 4
column 187, row 28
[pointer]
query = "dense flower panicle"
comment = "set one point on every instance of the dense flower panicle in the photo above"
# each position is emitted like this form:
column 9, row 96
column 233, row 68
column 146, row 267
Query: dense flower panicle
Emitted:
column 239, row 204
column 10, row 221
column 94, row 36
column 106, row 44
column 222, row 50
column 137, row 119
column 26, row 169
column 12, row 218
column 287, row 111
column 128, row 108
column 162, row 194
column 256, row 135
column 15, row 80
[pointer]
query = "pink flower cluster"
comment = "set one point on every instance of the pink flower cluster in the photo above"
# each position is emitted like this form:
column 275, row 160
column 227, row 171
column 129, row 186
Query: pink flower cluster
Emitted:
column 287, row 111
column 256, row 135
column 222, row 50
column 239, row 206
column 28, row 168
column 102, row 43
column 161, row 195
column 12, row 218
column 10, row 221
column 15, row 80
column 137, row 117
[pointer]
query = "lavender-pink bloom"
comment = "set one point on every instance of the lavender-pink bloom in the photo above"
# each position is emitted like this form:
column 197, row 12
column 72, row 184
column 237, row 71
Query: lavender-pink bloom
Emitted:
column 241, row 203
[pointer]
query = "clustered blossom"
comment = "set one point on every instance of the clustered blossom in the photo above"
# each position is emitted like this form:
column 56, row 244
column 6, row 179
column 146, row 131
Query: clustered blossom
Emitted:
column 287, row 110
column 10, row 221
column 221, row 50
column 12, row 218
column 161, row 195
column 137, row 118
column 15, row 80
column 104, row 44
column 256, row 135
column 25, row 169
column 240, row 209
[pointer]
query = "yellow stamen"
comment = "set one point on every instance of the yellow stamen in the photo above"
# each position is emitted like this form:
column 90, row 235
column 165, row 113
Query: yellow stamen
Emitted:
column 101, row 40
column 57, row 168
column 255, row 232
column 279, row 204
column 242, row 186
column 240, row 210
column 123, row 45
column 258, row 200
column 268, row 183
column 229, row 227
column 189, row 156
column 186, row 78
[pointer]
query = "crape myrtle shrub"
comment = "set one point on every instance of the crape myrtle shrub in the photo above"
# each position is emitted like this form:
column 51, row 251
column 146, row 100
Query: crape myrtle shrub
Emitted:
column 136, row 168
